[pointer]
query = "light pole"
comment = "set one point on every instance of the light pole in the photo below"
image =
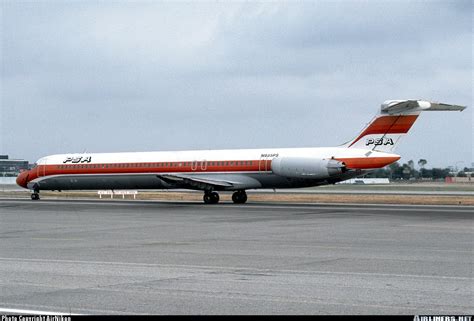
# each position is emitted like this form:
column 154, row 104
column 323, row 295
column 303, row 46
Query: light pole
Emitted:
column 456, row 166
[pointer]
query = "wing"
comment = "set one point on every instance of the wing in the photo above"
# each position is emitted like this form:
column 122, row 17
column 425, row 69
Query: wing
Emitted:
column 204, row 182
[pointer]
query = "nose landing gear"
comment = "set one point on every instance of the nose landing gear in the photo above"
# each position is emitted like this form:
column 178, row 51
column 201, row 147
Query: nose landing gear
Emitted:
column 239, row 197
column 35, row 196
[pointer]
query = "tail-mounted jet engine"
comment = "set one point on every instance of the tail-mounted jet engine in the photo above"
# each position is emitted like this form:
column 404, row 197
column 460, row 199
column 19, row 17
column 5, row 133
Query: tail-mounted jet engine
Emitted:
column 306, row 167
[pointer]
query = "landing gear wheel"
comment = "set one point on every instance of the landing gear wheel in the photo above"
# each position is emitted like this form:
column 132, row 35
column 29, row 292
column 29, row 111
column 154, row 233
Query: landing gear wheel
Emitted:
column 239, row 197
column 35, row 196
column 211, row 198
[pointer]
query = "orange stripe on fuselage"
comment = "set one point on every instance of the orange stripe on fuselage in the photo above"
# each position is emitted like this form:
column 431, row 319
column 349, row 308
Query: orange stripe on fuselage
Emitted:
column 368, row 162
column 228, row 166
column 389, row 125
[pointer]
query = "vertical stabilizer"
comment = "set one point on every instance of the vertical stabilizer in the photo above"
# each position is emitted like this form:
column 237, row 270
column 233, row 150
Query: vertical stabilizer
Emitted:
column 395, row 119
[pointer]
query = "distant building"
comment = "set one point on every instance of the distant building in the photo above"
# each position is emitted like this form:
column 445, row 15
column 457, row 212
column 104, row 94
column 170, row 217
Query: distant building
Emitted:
column 11, row 167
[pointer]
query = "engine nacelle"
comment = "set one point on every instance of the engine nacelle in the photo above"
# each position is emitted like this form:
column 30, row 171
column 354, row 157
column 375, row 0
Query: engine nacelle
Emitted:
column 307, row 167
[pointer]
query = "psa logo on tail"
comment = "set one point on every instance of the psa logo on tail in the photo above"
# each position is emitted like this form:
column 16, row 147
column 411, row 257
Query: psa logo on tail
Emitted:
column 379, row 141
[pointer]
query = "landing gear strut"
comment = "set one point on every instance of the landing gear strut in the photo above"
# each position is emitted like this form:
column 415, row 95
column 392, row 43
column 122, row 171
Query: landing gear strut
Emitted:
column 239, row 197
column 211, row 197
column 35, row 195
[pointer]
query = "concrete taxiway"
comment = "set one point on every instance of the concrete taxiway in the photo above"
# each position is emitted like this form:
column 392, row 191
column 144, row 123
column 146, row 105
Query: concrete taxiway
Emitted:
column 133, row 257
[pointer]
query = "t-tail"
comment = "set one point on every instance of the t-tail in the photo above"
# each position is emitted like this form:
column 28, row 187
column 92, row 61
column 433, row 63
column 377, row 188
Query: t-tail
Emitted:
column 393, row 122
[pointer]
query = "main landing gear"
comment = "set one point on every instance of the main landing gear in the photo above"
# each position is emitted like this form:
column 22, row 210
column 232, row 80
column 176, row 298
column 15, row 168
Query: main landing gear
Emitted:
column 211, row 197
column 239, row 197
column 35, row 196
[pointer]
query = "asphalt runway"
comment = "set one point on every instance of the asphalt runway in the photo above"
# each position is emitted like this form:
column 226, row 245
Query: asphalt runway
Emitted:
column 134, row 257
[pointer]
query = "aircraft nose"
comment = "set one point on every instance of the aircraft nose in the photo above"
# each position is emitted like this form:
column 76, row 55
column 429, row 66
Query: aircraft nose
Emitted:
column 22, row 179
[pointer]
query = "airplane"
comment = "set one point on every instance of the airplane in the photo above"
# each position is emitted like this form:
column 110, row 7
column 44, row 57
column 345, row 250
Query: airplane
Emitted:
column 234, row 170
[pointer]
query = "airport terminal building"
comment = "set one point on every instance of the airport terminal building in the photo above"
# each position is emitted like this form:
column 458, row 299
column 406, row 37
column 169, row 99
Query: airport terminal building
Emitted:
column 11, row 167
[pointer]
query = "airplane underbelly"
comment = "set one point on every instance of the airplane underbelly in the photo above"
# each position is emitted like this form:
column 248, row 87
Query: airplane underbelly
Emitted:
column 95, row 182
column 152, row 181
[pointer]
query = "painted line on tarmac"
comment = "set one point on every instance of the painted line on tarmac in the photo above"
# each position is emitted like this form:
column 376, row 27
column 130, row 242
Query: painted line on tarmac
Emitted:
column 306, row 206
column 24, row 311
column 233, row 269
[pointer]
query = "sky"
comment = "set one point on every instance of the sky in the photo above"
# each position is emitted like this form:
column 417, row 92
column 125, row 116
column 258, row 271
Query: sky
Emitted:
column 105, row 76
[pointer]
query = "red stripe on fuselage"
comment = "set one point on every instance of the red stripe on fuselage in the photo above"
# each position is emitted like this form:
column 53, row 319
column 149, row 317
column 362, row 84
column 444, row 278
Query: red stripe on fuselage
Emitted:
column 144, row 168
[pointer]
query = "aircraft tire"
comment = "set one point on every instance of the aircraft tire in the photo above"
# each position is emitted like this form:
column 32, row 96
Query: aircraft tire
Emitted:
column 239, row 197
column 211, row 198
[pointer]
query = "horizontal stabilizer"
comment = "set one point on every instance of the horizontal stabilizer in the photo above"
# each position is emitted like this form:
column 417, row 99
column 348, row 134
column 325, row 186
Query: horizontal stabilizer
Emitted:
column 394, row 107
column 395, row 119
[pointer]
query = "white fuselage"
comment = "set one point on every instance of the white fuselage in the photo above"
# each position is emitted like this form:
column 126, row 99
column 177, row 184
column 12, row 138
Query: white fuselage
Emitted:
column 241, row 169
